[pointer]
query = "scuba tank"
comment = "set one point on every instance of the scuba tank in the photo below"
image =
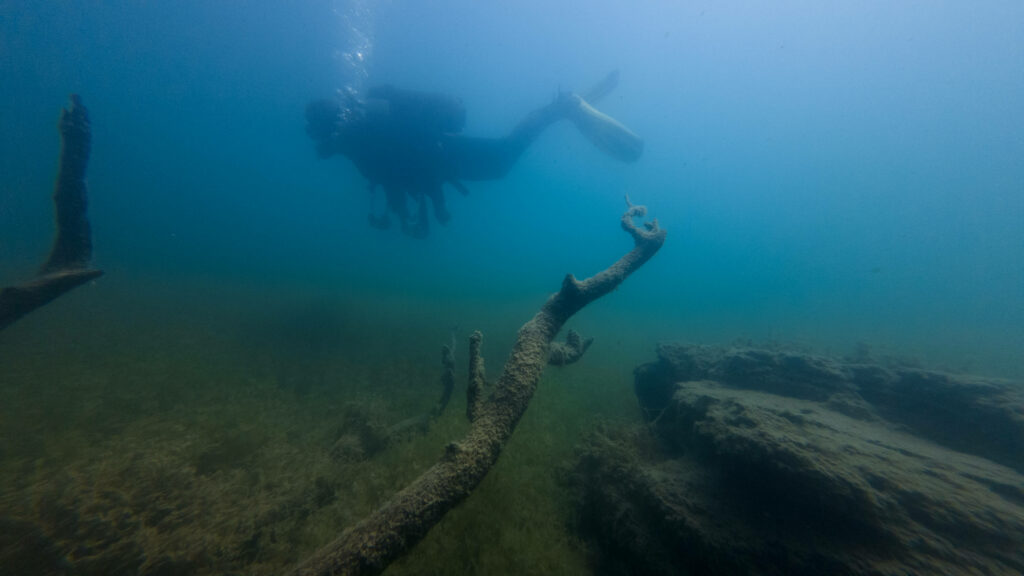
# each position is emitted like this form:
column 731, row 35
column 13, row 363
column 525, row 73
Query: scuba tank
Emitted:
column 423, row 112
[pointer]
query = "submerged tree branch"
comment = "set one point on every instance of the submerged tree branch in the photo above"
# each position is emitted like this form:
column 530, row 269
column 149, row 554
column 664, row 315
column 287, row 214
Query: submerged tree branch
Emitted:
column 421, row 423
column 372, row 544
column 477, row 379
column 67, row 266
column 574, row 347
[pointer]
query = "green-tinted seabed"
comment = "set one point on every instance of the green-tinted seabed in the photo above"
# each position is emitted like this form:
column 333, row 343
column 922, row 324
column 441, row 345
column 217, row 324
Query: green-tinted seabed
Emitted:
column 189, row 430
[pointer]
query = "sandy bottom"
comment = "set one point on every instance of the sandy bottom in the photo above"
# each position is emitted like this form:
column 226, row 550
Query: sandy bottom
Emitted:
column 194, row 430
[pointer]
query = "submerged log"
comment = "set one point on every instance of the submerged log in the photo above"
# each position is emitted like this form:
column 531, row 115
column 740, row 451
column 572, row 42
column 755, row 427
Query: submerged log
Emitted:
column 372, row 544
column 67, row 266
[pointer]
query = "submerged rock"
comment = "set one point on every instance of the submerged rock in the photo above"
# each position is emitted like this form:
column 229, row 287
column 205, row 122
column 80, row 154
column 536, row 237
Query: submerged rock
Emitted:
column 982, row 416
column 761, row 462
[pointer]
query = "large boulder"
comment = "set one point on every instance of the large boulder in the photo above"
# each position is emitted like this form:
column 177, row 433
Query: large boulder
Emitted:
column 764, row 462
column 982, row 416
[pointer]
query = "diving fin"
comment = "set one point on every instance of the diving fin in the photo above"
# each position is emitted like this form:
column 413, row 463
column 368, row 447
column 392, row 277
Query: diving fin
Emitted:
column 602, row 88
column 603, row 131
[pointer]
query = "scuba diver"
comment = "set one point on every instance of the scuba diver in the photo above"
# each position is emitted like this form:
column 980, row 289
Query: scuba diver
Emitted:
column 410, row 144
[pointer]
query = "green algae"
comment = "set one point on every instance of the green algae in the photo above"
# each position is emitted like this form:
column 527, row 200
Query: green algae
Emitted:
column 177, row 438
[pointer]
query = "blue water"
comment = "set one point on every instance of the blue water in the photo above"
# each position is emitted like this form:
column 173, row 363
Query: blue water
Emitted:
column 829, row 174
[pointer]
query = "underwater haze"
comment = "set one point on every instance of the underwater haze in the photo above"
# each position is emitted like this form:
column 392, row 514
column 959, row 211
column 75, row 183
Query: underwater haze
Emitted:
column 838, row 176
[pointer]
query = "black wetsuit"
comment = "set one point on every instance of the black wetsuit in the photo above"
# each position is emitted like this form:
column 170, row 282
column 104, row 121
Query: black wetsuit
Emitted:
column 408, row 143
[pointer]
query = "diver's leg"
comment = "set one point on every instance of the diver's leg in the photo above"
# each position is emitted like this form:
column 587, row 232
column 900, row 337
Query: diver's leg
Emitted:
column 529, row 128
column 492, row 158
column 396, row 203
column 422, row 219
column 459, row 186
column 418, row 227
column 383, row 221
column 436, row 195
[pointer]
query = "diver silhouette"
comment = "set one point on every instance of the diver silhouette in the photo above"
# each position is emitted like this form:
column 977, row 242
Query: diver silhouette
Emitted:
column 410, row 144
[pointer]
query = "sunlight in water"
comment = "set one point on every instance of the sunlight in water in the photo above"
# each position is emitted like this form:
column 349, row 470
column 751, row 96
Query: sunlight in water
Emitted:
column 356, row 22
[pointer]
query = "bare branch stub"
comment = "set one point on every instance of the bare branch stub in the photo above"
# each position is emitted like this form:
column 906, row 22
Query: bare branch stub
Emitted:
column 72, row 246
column 67, row 266
column 477, row 378
column 570, row 351
column 421, row 423
column 373, row 543
column 447, row 380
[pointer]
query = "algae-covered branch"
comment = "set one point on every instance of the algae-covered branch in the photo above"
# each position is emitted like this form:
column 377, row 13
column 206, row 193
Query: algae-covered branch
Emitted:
column 398, row 525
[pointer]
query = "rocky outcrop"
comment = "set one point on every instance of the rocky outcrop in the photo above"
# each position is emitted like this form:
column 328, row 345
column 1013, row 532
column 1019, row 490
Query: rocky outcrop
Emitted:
column 765, row 462
column 982, row 416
